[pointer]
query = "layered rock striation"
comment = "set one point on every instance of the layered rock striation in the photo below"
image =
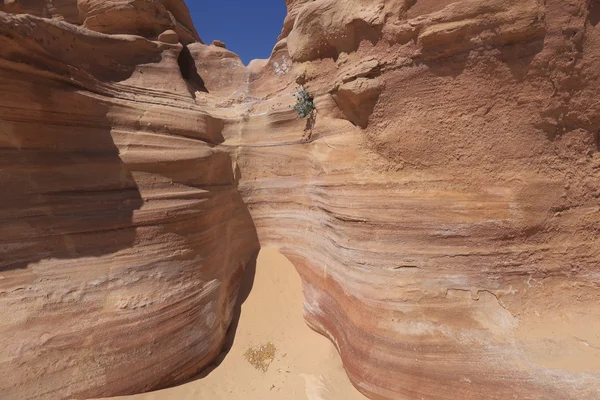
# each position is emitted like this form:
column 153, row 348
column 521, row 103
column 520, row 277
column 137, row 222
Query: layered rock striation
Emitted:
column 441, row 207
column 123, row 235
column 444, row 212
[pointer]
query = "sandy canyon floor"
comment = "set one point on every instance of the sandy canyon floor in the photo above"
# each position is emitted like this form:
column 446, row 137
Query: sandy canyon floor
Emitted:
column 306, row 365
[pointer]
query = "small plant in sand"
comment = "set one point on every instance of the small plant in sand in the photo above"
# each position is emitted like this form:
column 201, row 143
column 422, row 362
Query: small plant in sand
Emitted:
column 261, row 357
column 305, row 103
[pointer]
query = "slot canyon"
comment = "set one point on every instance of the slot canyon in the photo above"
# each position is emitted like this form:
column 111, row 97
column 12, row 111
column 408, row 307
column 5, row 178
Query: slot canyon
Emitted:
column 440, row 209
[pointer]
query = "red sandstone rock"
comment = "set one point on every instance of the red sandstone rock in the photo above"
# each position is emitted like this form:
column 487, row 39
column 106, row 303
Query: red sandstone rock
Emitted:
column 443, row 214
column 123, row 237
column 219, row 43
column 143, row 17
column 169, row 36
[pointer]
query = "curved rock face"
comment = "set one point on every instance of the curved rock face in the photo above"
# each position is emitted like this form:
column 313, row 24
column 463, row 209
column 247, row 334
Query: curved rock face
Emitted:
column 443, row 212
column 143, row 17
column 442, row 206
column 123, row 235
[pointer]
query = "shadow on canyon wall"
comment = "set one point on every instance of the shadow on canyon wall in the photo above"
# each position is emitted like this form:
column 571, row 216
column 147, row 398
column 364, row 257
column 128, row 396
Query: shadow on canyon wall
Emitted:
column 68, row 195
column 71, row 195
column 189, row 72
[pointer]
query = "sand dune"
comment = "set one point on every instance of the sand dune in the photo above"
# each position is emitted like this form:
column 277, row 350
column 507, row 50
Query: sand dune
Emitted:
column 305, row 365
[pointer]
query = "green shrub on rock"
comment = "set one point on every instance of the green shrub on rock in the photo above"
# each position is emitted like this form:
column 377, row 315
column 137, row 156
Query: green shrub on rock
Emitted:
column 305, row 104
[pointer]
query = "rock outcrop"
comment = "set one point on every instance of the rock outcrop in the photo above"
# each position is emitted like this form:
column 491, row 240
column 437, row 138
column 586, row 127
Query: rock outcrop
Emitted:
column 442, row 208
column 123, row 236
column 447, row 231
column 140, row 17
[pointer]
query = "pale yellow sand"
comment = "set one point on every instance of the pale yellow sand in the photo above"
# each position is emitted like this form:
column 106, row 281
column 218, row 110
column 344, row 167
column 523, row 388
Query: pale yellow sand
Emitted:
column 306, row 365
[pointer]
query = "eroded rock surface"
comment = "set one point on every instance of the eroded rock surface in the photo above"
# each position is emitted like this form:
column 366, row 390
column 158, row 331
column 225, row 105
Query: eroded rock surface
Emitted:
column 442, row 209
column 143, row 17
column 451, row 245
column 123, row 237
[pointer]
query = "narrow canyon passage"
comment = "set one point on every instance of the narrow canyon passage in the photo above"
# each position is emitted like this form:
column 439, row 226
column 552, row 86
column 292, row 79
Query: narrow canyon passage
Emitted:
column 442, row 208
column 306, row 365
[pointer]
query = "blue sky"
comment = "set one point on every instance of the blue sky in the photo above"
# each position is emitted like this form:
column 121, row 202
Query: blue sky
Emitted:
column 248, row 28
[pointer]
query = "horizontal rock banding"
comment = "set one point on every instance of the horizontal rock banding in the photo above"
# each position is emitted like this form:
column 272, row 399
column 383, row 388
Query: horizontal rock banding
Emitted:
column 442, row 211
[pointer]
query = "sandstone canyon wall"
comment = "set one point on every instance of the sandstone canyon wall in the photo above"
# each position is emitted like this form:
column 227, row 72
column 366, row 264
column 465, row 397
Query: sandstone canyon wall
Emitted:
column 442, row 209
column 123, row 235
